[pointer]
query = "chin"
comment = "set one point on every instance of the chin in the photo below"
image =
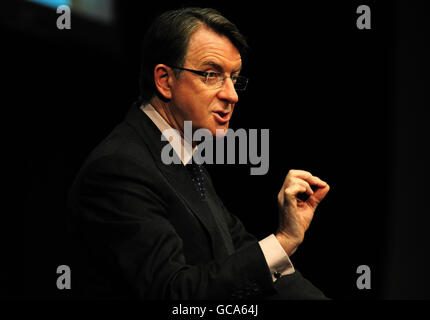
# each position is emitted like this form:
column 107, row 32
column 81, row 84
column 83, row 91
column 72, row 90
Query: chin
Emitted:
column 220, row 131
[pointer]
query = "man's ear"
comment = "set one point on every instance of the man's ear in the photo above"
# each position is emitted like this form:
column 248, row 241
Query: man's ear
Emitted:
column 162, row 80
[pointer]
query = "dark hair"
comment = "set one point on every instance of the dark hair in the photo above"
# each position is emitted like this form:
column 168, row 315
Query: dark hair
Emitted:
column 166, row 41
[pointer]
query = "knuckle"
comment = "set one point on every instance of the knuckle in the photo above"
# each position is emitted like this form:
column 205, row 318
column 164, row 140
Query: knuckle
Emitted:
column 292, row 172
column 289, row 192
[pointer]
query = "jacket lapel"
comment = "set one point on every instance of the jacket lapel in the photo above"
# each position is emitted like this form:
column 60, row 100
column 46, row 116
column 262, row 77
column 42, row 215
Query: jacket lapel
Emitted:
column 178, row 176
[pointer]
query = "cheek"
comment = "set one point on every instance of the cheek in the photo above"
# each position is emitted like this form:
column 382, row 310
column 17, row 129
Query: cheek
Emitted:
column 202, row 109
column 198, row 106
column 200, row 114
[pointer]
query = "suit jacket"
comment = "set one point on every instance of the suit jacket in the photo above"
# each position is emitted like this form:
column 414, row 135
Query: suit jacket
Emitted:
column 139, row 229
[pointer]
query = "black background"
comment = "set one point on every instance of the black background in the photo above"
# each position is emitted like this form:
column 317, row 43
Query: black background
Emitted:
column 349, row 105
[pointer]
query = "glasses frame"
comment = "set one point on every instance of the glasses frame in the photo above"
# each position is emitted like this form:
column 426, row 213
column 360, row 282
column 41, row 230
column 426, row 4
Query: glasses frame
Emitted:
column 220, row 75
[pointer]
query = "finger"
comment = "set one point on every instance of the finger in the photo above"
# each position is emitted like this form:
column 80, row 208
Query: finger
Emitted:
column 299, row 173
column 312, row 183
column 306, row 175
column 319, row 195
column 292, row 191
column 292, row 174
column 314, row 180
column 322, row 192
column 305, row 184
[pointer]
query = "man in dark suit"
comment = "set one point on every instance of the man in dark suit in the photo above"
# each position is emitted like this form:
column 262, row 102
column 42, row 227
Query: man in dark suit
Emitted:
column 145, row 229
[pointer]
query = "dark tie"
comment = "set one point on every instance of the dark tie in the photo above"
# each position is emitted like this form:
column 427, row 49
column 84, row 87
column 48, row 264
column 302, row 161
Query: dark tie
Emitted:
column 198, row 178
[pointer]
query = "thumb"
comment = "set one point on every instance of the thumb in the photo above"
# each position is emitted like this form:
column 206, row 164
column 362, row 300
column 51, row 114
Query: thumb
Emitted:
column 319, row 195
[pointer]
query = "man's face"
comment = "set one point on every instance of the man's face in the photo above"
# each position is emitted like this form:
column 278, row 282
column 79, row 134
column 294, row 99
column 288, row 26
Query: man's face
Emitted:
column 192, row 99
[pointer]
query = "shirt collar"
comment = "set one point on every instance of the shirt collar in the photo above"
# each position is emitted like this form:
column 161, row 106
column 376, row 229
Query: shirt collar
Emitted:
column 184, row 149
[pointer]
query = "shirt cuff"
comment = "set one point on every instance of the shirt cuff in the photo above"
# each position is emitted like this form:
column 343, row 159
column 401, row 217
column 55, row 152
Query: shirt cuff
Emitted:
column 278, row 261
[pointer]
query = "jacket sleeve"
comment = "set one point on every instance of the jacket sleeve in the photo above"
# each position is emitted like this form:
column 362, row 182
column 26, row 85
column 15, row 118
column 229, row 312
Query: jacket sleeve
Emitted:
column 124, row 223
column 289, row 287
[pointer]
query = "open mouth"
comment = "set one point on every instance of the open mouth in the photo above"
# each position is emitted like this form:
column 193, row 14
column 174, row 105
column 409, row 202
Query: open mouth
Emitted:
column 222, row 116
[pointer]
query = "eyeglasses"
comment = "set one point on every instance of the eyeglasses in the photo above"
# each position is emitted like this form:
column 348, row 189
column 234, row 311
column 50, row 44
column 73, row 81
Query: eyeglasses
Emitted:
column 216, row 80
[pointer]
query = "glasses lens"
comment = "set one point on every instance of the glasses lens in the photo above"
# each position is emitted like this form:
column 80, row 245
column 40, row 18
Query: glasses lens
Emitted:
column 213, row 79
column 216, row 80
column 240, row 83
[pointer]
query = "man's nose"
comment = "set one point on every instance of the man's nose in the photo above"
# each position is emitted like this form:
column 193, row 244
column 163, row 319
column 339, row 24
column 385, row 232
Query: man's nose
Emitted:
column 228, row 92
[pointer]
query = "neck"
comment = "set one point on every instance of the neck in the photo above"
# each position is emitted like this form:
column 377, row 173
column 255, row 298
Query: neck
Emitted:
column 165, row 110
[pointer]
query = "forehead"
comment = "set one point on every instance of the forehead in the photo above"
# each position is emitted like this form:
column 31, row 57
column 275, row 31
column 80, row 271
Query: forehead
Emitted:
column 207, row 46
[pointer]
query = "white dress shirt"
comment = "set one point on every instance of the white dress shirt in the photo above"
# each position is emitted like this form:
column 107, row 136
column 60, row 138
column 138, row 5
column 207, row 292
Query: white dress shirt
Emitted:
column 277, row 260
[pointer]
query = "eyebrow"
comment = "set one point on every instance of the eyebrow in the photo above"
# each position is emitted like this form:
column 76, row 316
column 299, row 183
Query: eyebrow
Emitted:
column 218, row 67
